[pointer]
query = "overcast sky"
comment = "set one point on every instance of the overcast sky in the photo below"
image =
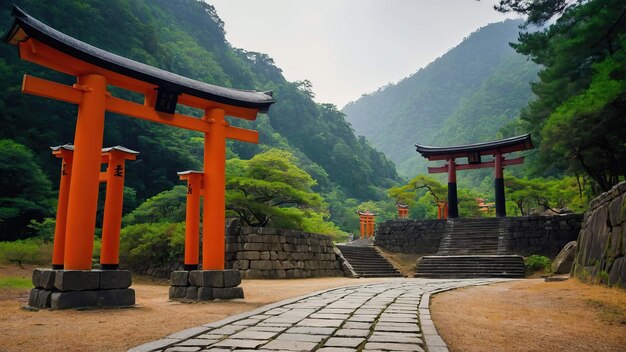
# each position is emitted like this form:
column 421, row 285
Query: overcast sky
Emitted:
column 350, row 47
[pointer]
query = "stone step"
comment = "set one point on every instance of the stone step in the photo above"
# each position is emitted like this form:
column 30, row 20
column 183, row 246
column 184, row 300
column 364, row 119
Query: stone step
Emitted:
column 370, row 263
column 367, row 262
column 470, row 266
column 468, row 276
column 395, row 274
column 469, row 269
column 477, row 236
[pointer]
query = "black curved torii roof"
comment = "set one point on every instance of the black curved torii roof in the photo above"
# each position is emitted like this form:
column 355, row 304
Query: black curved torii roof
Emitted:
column 25, row 26
column 506, row 145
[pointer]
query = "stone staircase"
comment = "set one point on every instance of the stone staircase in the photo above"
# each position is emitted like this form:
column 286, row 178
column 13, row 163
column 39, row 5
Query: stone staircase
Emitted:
column 471, row 266
column 472, row 248
column 474, row 237
column 367, row 262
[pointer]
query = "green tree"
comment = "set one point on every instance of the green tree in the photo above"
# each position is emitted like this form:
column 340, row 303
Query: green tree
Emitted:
column 537, row 11
column 167, row 206
column 578, row 116
column 407, row 194
column 421, row 194
column 25, row 191
column 539, row 194
column 270, row 190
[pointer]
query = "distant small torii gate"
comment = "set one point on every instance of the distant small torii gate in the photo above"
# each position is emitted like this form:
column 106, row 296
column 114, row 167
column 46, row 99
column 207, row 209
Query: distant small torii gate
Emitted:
column 366, row 223
column 474, row 153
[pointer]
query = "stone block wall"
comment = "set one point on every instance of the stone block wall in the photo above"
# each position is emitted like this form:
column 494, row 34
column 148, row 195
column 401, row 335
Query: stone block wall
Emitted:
column 527, row 235
column 542, row 235
column 267, row 253
column 410, row 236
column 601, row 253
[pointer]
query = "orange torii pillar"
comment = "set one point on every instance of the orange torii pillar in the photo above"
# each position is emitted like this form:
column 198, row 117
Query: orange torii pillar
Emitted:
column 112, row 218
column 213, row 219
column 114, row 177
column 195, row 180
column 403, row 211
column 372, row 225
column 442, row 210
column 65, row 153
column 361, row 226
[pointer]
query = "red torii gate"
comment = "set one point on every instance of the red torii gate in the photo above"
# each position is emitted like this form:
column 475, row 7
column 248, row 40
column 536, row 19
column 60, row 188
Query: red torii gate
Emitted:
column 403, row 210
column 474, row 153
column 115, row 158
column 366, row 223
column 96, row 69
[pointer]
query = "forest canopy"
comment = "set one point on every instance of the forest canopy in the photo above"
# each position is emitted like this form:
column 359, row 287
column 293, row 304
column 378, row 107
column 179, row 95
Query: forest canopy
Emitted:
column 578, row 116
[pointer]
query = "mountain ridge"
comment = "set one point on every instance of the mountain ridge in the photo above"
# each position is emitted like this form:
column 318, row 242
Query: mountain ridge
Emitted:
column 440, row 96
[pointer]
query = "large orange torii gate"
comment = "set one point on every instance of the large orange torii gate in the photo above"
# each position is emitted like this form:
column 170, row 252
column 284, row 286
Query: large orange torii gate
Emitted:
column 95, row 70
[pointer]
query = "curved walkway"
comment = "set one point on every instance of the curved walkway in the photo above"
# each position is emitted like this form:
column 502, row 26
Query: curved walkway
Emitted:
column 390, row 316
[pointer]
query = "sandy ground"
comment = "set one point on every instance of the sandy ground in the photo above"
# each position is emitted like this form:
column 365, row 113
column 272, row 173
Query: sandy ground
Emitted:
column 119, row 329
column 528, row 315
column 532, row 315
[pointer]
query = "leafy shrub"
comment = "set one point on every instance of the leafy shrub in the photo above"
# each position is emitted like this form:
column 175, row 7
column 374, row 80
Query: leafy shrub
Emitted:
column 167, row 206
column 145, row 245
column 30, row 251
column 43, row 230
column 536, row 263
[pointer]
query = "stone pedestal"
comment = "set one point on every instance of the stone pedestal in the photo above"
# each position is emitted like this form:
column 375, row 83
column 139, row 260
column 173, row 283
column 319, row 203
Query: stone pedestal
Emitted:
column 66, row 289
column 205, row 285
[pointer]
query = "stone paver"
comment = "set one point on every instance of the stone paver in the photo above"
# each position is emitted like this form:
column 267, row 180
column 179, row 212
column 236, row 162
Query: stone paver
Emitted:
column 352, row 342
column 352, row 332
column 302, row 337
column 389, row 316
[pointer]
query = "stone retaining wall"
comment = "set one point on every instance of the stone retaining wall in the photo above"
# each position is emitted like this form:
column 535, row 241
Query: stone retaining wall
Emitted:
column 267, row 253
column 410, row 236
column 542, row 235
column 602, row 241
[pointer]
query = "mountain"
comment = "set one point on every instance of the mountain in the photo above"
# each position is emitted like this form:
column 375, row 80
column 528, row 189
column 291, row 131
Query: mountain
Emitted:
column 185, row 37
column 467, row 95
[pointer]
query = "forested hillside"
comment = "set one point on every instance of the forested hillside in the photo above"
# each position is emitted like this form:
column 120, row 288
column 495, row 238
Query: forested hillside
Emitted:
column 464, row 96
column 186, row 37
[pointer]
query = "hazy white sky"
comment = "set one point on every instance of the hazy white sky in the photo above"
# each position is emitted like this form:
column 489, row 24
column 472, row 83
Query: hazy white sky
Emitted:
column 350, row 47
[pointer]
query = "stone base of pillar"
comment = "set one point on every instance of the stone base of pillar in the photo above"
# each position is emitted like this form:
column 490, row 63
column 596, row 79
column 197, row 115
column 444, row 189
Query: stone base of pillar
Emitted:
column 205, row 285
column 68, row 289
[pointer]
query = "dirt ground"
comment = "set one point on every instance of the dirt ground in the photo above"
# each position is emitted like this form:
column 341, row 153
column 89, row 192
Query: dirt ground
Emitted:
column 119, row 329
column 528, row 315
column 532, row 315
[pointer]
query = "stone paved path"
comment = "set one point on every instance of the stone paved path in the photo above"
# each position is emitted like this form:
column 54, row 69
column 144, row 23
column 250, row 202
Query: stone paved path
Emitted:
column 390, row 316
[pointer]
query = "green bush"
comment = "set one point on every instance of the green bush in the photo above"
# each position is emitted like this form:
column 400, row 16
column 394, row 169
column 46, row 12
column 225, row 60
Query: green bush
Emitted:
column 43, row 230
column 30, row 251
column 145, row 245
column 536, row 263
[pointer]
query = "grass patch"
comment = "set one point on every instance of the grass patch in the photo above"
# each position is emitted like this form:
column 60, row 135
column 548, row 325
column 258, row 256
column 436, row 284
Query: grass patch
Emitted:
column 536, row 263
column 609, row 313
column 15, row 282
